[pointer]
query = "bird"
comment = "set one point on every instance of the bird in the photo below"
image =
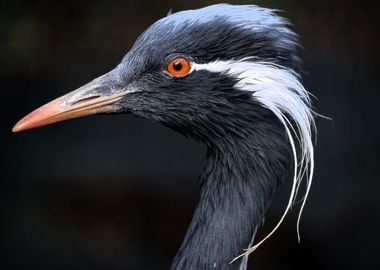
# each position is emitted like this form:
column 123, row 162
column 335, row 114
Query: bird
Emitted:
column 229, row 77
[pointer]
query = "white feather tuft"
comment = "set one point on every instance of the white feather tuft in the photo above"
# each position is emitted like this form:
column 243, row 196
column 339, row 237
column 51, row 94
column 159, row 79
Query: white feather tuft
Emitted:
column 279, row 90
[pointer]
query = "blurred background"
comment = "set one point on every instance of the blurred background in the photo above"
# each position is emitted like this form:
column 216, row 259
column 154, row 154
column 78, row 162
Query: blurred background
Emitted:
column 118, row 192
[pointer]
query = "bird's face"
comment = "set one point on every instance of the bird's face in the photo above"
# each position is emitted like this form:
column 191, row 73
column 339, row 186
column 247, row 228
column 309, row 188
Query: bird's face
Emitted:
column 215, row 74
column 183, row 71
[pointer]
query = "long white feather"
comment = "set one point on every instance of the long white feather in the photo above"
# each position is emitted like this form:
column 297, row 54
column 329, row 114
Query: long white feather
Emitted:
column 279, row 90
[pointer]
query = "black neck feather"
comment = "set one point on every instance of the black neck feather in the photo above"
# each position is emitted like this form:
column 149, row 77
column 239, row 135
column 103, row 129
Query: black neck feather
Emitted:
column 239, row 180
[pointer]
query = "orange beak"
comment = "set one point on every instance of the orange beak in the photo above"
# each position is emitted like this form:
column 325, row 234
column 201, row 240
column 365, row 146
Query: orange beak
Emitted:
column 92, row 98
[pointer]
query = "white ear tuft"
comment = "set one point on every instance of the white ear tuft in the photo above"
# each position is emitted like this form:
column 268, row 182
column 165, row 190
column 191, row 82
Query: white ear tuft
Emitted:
column 279, row 90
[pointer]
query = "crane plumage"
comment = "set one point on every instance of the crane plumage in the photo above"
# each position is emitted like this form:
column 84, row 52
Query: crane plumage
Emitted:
column 241, row 95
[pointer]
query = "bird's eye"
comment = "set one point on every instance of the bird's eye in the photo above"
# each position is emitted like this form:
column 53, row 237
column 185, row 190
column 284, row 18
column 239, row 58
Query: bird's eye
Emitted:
column 178, row 67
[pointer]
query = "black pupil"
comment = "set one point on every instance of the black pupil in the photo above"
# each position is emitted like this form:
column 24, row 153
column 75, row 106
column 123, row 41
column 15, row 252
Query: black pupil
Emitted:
column 177, row 66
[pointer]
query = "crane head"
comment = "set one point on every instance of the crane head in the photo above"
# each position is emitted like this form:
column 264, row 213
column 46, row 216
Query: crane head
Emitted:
column 189, row 69
column 208, row 73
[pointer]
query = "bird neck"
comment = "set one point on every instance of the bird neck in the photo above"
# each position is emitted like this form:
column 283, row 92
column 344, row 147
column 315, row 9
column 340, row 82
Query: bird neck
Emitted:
column 236, row 187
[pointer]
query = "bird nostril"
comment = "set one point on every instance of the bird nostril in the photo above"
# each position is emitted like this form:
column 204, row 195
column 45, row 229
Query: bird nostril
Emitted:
column 84, row 100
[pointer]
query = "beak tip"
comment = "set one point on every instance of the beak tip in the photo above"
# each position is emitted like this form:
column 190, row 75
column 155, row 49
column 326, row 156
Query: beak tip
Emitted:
column 18, row 127
column 36, row 118
column 60, row 109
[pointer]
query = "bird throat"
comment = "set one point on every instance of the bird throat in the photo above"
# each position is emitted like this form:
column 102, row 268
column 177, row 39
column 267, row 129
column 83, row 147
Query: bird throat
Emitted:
column 237, row 184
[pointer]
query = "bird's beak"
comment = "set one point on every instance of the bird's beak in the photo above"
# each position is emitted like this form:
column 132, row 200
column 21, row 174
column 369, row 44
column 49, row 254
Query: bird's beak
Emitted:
column 98, row 96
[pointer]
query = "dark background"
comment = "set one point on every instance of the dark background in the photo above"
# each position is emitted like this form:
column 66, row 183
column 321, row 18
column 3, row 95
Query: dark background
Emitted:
column 118, row 192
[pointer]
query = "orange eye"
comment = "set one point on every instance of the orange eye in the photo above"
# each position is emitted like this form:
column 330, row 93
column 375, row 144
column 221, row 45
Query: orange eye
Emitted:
column 179, row 67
